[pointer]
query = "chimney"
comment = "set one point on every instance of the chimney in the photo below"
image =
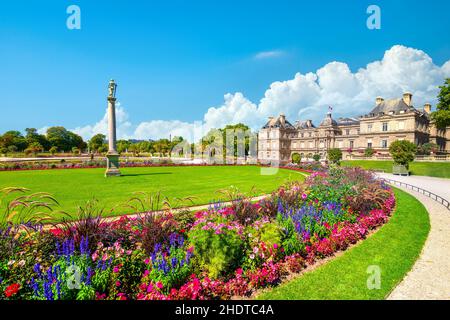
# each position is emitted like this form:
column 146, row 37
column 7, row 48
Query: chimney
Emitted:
column 407, row 98
column 427, row 107
column 379, row 100
column 282, row 118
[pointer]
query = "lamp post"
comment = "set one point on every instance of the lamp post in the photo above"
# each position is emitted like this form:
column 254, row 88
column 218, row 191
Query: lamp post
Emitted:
column 112, row 157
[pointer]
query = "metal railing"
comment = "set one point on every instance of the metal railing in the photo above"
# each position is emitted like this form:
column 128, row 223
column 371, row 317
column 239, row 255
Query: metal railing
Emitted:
column 427, row 193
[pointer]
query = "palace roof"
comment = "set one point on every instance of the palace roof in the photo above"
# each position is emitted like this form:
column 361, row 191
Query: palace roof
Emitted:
column 391, row 106
column 278, row 122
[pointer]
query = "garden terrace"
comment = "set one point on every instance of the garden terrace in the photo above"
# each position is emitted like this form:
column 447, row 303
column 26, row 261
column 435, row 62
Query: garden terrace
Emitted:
column 219, row 253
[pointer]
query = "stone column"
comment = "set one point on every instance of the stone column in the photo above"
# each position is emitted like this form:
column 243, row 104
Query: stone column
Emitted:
column 112, row 157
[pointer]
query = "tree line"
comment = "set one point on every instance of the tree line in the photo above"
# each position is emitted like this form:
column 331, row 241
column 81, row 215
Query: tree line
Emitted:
column 59, row 139
column 56, row 139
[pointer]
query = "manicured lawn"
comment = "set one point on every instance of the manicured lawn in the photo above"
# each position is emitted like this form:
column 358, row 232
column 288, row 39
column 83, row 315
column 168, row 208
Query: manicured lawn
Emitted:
column 73, row 187
column 394, row 248
column 432, row 169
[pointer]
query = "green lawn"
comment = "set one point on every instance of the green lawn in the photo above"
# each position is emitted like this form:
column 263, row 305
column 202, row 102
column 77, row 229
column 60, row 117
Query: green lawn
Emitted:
column 394, row 248
column 73, row 187
column 432, row 169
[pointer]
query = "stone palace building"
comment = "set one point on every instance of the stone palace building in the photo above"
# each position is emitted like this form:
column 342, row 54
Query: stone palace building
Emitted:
column 389, row 120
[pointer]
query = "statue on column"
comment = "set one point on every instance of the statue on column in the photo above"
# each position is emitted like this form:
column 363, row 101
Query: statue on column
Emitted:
column 112, row 157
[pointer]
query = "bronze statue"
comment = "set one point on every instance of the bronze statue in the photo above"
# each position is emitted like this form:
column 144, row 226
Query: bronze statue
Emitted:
column 112, row 89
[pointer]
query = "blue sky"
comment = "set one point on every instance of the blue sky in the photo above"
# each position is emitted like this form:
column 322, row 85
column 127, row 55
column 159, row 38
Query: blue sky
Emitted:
column 174, row 60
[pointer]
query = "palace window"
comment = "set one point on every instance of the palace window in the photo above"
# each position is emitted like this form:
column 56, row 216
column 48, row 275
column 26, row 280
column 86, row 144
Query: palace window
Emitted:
column 369, row 128
column 384, row 143
column 302, row 134
column 352, row 143
column 310, row 134
column 347, row 132
column 385, row 126
column 369, row 143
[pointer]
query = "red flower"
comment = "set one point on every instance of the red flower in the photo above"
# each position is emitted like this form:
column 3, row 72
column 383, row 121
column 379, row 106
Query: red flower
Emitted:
column 12, row 289
column 56, row 232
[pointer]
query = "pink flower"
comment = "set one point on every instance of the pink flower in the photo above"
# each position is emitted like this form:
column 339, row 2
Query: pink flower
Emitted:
column 116, row 269
column 117, row 283
column 275, row 246
column 159, row 285
column 304, row 196
column 147, row 261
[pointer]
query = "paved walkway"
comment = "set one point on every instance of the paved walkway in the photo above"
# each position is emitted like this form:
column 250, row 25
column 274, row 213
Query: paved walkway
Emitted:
column 429, row 278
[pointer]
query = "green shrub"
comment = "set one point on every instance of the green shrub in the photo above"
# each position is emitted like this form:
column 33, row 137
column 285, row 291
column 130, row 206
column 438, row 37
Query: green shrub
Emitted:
column 296, row 158
column 217, row 250
column 316, row 157
column 335, row 155
column 403, row 152
column 369, row 152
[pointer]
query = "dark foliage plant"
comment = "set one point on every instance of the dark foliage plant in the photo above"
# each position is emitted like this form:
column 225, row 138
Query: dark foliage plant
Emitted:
column 155, row 229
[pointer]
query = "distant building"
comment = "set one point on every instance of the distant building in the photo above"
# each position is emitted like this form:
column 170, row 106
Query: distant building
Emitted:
column 389, row 120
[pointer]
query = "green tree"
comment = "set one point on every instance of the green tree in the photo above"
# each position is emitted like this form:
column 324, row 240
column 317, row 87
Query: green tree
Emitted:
column 33, row 136
column 34, row 148
column 12, row 149
column 427, row 148
column 296, row 158
column 64, row 139
column 53, row 150
column 103, row 149
column 122, row 145
column 335, row 155
column 13, row 138
column 442, row 114
column 369, row 152
column 76, row 151
column 316, row 157
column 403, row 152
column 96, row 142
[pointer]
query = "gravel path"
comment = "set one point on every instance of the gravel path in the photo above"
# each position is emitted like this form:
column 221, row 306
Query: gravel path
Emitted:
column 429, row 278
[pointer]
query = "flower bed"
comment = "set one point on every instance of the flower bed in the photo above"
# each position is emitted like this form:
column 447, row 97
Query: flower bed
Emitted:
column 54, row 165
column 220, row 253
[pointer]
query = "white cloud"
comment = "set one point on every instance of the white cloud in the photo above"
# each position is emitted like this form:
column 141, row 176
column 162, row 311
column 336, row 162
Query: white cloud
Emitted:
column 268, row 54
column 306, row 96
column 123, row 125
column 158, row 129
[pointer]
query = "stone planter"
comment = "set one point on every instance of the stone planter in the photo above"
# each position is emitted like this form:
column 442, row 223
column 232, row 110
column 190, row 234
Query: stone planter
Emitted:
column 400, row 170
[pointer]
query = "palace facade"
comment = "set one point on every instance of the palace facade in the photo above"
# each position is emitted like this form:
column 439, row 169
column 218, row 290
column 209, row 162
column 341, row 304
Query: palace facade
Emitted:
column 389, row 120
